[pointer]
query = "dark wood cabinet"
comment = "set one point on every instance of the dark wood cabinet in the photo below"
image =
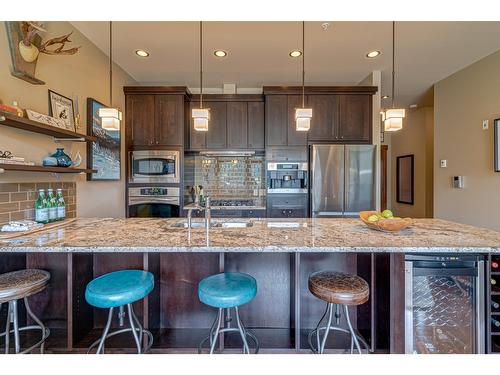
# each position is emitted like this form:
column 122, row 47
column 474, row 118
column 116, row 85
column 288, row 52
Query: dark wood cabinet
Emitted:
column 197, row 139
column 237, row 125
column 294, row 137
column 355, row 123
column 155, row 116
column 325, row 117
column 256, row 125
column 169, row 120
column 276, row 120
column 340, row 114
column 216, row 134
column 140, row 120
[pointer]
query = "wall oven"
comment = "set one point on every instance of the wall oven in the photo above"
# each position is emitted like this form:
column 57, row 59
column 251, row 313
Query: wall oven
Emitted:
column 154, row 166
column 444, row 304
column 153, row 202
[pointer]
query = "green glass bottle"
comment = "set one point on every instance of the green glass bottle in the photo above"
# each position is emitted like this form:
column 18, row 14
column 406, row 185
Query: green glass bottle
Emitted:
column 51, row 205
column 41, row 210
column 61, row 206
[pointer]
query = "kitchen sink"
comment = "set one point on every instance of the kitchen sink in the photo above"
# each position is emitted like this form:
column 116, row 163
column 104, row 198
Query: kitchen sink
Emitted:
column 214, row 224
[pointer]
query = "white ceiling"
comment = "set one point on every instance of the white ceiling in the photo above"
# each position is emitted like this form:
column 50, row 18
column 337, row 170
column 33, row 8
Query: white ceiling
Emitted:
column 426, row 52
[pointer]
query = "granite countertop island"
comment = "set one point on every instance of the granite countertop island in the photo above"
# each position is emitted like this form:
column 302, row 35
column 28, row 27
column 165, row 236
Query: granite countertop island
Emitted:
column 264, row 235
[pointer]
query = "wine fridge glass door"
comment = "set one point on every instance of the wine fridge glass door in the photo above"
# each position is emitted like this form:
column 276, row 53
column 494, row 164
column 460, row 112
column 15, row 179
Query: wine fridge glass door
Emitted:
column 443, row 310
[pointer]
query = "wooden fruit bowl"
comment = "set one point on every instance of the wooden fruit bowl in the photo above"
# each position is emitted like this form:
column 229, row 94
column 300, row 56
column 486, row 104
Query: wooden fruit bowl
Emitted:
column 386, row 225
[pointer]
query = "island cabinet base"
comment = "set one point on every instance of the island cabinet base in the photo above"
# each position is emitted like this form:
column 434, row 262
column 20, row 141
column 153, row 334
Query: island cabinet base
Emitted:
column 281, row 316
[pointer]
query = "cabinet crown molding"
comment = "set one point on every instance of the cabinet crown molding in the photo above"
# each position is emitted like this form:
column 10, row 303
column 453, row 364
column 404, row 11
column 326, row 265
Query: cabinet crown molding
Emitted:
column 276, row 90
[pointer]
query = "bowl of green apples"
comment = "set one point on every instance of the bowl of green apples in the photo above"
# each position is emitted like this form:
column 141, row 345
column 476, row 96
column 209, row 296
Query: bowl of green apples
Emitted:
column 384, row 221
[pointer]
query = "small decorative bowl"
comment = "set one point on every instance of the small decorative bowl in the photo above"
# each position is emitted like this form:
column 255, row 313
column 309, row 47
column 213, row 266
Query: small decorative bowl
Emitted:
column 385, row 225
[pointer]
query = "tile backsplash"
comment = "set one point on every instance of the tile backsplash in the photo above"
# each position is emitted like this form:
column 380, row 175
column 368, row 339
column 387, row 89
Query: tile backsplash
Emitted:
column 17, row 200
column 226, row 177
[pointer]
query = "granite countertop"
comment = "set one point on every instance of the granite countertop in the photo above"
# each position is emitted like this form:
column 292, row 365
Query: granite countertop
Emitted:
column 265, row 235
column 192, row 206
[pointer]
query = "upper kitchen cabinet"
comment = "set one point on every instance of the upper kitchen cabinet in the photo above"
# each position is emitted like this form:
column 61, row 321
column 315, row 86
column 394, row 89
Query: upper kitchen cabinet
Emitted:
column 236, row 123
column 340, row 115
column 280, row 121
column 140, row 119
column 155, row 116
column 169, row 120
column 256, row 125
column 276, row 120
column 355, row 120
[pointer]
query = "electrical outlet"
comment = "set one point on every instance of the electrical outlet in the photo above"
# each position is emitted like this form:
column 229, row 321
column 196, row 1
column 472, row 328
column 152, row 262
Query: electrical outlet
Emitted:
column 444, row 163
column 485, row 124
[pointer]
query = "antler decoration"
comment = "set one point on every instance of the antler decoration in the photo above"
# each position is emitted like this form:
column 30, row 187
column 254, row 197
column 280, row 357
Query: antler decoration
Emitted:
column 61, row 41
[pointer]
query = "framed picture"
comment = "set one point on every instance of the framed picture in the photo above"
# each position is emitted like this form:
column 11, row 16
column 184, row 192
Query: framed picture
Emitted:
column 62, row 109
column 104, row 153
column 404, row 179
column 496, row 128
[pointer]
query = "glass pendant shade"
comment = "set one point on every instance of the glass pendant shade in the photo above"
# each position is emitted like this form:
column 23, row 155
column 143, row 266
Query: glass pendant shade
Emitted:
column 303, row 119
column 393, row 119
column 200, row 118
column 110, row 118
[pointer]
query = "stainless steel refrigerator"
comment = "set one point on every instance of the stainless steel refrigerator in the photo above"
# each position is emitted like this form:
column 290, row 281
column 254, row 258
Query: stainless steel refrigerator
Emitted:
column 342, row 180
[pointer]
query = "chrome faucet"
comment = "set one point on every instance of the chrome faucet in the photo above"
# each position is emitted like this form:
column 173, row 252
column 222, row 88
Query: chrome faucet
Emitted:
column 208, row 216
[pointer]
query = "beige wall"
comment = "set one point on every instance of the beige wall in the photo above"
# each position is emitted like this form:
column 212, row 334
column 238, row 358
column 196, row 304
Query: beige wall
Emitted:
column 415, row 138
column 84, row 75
column 461, row 102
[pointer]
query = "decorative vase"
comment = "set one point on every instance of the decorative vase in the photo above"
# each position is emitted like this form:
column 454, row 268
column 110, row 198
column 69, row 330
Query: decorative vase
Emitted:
column 63, row 160
column 49, row 161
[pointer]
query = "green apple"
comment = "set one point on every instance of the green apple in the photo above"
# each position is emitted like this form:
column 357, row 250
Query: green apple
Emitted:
column 387, row 214
column 373, row 218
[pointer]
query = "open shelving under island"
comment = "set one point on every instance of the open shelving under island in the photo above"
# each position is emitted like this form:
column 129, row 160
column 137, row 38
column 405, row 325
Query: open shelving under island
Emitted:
column 279, row 253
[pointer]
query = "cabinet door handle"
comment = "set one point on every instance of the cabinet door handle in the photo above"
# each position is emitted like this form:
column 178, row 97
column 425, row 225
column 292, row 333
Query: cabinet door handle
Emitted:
column 341, row 137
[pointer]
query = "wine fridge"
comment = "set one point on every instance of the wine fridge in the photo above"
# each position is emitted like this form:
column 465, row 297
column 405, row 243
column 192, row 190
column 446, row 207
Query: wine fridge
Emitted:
column 444, row 304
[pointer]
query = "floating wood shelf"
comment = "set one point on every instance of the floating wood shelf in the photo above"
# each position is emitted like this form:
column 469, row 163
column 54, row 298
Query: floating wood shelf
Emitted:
column 8, row 119
column 39, row 168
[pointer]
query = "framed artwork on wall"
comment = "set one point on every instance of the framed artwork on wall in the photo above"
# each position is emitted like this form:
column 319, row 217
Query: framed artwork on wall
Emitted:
column 104, row 153
column 404, row 179
column 496, row 127
column 62, row 109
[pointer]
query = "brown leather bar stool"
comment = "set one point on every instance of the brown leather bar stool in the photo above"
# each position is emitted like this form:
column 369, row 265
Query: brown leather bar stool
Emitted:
column 338, row 290
column 20, row 285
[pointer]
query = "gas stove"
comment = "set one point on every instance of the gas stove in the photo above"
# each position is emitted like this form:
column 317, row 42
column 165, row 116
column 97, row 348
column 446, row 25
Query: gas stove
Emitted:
column 232, row 202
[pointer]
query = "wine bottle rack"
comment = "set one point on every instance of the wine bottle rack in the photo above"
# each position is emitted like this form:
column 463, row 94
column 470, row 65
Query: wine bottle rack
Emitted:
column 493, row 307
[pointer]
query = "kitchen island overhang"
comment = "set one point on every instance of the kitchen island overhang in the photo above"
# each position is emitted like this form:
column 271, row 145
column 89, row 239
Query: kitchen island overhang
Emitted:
column 280, row 258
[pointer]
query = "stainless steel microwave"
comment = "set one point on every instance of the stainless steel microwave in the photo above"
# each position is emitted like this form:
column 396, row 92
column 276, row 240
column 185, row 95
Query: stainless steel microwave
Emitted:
column 154, row 166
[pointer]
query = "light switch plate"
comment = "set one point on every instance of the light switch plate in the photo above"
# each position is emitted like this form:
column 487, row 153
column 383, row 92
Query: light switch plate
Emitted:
column 444, row 163
column 485, row 124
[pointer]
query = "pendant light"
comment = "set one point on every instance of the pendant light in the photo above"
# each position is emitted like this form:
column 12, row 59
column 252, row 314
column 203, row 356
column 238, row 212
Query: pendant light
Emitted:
column 110, row 117
column 201, row 115
column 303, row 115
column 393, row 118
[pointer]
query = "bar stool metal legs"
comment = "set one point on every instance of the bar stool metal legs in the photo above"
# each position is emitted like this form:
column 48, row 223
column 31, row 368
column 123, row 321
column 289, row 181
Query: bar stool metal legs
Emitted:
column 135, row 328
column 216, row 330
column 12, row 319
column 334, row 311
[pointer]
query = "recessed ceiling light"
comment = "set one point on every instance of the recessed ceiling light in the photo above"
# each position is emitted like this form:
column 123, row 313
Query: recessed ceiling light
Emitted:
column 373, row 54
column 295, row 53
column 220, row 53
column 141, row 53
column 385, row 97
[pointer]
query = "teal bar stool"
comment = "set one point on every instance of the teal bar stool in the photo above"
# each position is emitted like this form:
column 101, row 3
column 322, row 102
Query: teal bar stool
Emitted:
column 225, row 291
column 117, row 290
